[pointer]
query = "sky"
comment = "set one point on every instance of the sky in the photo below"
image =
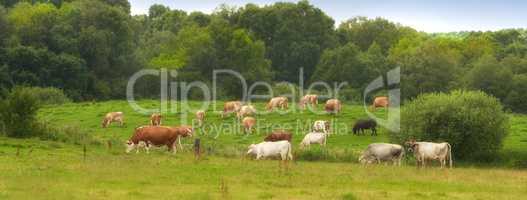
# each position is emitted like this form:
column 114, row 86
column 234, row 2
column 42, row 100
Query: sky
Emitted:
column 422, row 15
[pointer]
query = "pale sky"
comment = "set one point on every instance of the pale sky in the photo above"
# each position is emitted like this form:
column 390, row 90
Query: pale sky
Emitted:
column 423, row 15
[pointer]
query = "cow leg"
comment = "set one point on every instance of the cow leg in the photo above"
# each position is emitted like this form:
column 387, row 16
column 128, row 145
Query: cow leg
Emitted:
column 179, row 141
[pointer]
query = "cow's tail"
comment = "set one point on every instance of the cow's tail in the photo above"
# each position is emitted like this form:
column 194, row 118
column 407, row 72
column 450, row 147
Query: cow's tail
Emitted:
column 449, row 154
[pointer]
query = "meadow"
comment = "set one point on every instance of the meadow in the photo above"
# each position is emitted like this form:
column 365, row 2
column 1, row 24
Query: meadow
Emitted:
column 92, row 169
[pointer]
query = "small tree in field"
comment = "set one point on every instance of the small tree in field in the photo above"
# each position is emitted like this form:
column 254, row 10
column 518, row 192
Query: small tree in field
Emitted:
column 18, row 113
column 472, row 122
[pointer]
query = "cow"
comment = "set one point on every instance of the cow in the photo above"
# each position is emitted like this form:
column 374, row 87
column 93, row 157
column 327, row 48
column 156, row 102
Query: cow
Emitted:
column 308, row 99
column 321, row 126
column 200, row 117
column 333, row 106
column 380, row 102
column 277, row 102
column 155, row 119
column 278, row 135
column 157, row 136
column 314, row 138
column 271, row 149
column 246, row 110
column 363, row 124
column 231, row 107
column 378, row 152
column 248, row 124
column 113, row 117
column 431, row 151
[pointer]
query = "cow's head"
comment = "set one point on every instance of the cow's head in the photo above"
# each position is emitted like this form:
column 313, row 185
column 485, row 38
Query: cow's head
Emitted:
column 251, row 149
column 104, row 122
column 130, row 146
column 411, row 144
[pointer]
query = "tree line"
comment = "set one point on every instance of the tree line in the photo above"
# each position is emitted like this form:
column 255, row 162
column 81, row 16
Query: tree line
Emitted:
column 89, row 49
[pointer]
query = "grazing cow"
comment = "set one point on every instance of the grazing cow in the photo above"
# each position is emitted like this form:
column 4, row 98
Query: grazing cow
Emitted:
column 113, row 117
column 380, row 102
column 185, row 131
column 277, row 102
column 362, row 124
column 231, row 107
column 314, row 138
column 246, row 110
column 308, row 99
column 200, row 117
column 278, row 135
column 321, row 126
column 333, row 106
column 271, row 149
column 378, row 152
column 157, row 136
column 248, row 124
column 155, row 119
column 431, row 151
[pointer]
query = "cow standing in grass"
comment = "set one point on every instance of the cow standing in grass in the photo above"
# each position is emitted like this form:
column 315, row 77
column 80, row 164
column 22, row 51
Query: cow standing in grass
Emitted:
column 279, row 135
column 157, row 136
column 271, row 149
column 363, row 124
column 380, row 102
column 231, row 107
column 321, row 126
column 246, row 110
column 277, row 102
column 113, row 117
column 314, row 138
column 155, row 119
column 424, row 151
column 333, row 106
column 200, row 117
column 248, row 124
column 308, row 99
column 378, row 152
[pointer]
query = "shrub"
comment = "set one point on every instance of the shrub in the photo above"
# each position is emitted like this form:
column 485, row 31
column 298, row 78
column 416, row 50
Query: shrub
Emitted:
column 472, row 122
column 67, row 134
column 49, row 95
column 18, row 113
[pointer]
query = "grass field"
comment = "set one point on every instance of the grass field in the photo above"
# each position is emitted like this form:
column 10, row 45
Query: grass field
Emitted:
column 31, row 168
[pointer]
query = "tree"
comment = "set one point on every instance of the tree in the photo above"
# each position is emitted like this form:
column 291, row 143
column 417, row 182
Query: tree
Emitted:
column 294, row 34
column 474, row 123
column 491, row 77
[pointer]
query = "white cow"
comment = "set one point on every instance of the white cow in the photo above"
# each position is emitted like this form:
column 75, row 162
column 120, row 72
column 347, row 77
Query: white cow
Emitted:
column 314, row 138
column 270, row 149
column 246, row 110
column 377, row 152
column 431, row 151
column 321, row 126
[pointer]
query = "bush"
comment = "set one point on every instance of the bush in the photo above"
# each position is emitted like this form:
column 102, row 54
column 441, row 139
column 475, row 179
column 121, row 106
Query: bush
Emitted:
column 18, row 113
column 472, row 122
column 49, row 95
column 67, row 134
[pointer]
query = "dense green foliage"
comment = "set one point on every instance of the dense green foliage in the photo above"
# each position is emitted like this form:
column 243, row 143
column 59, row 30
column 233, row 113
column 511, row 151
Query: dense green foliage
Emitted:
column 472, row 122
column 18, row 113
column 49, row 95
column 89, row 49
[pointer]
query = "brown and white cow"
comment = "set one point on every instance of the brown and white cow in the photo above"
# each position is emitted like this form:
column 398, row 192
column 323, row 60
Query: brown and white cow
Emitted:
column 246, row 110
column 333, row 106
column 278, row 135
column 113, row 117
column 277, row 102
column 380, row 102
column 308, row 99
column 248, row 124
column 155, row 119
column 424, row 151
column 231, row 107
column 157, row 136
column 200, row 117
column 321, row 126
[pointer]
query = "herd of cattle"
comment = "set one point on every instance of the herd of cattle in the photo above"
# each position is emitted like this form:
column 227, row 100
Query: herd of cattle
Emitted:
column 278, row 143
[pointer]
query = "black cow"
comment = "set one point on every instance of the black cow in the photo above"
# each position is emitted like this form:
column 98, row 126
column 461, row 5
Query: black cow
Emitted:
column 362, row 124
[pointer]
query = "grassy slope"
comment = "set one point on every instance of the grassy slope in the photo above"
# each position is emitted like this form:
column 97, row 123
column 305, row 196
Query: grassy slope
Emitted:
column 58, row 171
